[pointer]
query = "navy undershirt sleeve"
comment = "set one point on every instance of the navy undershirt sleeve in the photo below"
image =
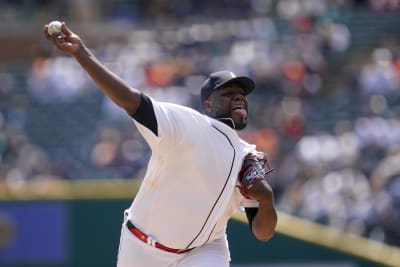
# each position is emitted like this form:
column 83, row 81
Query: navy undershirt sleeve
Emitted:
column 251, row 213
column 145, row 114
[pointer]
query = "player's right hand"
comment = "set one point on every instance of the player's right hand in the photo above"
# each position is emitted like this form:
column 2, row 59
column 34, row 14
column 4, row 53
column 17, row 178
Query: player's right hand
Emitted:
column 67, row 42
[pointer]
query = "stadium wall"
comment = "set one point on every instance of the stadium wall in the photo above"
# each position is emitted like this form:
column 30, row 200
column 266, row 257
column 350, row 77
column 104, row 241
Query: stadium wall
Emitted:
column 78, row 225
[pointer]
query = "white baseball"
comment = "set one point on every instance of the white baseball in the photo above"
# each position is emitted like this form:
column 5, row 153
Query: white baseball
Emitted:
column 54, row 27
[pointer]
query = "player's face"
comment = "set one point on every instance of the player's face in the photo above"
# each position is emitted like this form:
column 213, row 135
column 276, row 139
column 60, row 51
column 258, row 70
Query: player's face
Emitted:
column 229, row 102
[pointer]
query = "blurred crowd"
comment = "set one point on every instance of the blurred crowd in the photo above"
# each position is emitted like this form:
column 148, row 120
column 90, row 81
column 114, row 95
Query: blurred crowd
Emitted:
column 332, row 131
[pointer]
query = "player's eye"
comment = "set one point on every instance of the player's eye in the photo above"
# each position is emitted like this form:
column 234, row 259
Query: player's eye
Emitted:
column 228, row 94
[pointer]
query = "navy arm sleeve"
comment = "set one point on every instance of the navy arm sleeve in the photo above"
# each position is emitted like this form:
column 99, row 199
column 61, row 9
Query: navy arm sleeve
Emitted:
column 251, row 213
column 145, row 114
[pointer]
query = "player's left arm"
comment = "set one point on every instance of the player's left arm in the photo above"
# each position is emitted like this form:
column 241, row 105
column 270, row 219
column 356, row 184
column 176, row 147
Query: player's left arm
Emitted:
column 253, row 185
column 263, row 219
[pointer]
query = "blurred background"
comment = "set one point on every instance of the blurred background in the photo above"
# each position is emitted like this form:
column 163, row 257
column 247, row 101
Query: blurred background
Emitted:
column 326, row 108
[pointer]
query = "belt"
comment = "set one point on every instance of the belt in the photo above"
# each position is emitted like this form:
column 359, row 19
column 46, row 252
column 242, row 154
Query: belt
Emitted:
column 147, row 239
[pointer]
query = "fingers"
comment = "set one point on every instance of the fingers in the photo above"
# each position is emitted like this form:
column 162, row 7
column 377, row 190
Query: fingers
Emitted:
column 65, row 30
column 57, row 39
column 46, row 33
column 65, row 41
column 51, row 38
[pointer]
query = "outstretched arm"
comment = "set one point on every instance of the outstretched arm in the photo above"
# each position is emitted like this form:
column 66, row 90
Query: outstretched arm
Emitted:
column 113, row 86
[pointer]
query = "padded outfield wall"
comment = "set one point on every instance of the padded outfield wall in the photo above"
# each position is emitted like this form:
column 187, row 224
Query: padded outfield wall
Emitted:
column 80, row 227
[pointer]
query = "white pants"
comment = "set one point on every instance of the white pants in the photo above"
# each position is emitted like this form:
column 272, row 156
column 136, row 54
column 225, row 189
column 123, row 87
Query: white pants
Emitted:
column 135, row 253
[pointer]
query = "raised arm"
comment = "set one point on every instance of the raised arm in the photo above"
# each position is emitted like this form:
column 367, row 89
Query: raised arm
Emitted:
column 113, row 86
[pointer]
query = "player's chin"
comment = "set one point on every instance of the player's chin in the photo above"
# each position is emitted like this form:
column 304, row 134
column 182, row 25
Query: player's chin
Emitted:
column 240, row 124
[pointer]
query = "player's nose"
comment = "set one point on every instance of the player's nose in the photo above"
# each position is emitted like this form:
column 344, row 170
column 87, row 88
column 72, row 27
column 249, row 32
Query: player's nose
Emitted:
column 239, row 97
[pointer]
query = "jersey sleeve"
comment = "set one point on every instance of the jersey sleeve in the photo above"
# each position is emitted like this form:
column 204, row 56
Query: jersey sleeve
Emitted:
column 250, row 214
column 172, row 123
column 145, row 114
column 248, row 206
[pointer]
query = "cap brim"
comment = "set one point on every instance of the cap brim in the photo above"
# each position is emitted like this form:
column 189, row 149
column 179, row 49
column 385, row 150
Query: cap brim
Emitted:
column 247, row 83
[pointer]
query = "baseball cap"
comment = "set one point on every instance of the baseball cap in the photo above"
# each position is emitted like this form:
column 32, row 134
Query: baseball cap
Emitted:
column 220, row 78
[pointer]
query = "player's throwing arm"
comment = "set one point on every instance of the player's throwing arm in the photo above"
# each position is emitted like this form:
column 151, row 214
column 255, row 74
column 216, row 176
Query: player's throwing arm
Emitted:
column 114, row 87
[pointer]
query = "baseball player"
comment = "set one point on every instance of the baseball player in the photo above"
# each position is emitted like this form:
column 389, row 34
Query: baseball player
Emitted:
column 199, row 174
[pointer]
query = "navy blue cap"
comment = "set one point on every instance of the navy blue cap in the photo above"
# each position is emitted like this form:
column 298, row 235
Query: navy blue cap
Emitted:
column 220, row 78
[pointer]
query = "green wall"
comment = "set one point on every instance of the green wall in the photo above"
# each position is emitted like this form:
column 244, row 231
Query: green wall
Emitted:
column 281, row 249
column 93, row 227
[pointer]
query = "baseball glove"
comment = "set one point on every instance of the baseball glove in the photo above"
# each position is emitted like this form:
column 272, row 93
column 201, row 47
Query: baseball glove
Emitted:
column 255, row 168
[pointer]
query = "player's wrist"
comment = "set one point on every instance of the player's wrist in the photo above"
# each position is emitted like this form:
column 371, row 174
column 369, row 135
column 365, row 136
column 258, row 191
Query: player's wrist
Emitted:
column 81, row 52
column 266, row 194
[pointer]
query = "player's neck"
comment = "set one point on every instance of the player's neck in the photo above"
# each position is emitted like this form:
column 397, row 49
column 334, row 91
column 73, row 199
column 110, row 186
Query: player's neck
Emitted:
column 228, row 121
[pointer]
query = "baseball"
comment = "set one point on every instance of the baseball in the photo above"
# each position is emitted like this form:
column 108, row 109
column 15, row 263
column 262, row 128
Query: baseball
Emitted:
column 54, row 27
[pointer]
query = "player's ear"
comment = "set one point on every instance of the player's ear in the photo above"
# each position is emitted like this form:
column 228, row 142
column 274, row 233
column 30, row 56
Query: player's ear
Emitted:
column 207, row 106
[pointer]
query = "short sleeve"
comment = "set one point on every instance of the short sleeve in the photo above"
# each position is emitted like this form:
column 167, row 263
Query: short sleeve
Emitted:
column 174, row 123
column 145, row 114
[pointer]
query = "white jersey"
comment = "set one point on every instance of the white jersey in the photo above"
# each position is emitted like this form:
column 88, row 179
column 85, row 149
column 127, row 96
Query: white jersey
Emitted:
column 189, row 190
